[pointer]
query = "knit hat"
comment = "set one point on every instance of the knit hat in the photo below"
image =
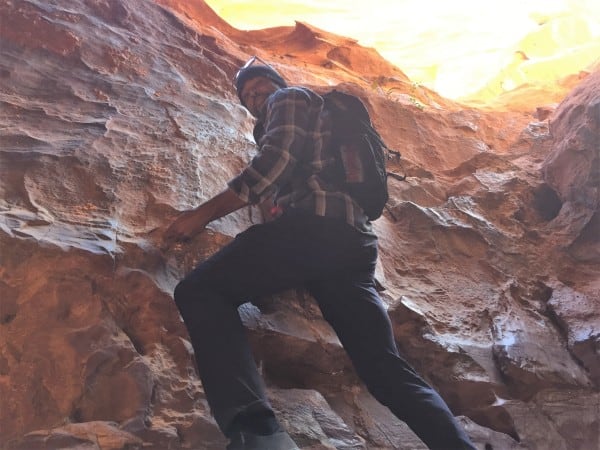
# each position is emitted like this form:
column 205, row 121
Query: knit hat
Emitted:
column 248, row 73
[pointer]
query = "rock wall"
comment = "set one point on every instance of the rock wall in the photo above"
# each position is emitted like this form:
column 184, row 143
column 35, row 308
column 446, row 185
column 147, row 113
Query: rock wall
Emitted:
column 117, row 114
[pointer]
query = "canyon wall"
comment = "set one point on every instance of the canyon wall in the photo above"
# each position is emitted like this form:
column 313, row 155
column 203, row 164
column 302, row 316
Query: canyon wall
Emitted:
column 117, row 114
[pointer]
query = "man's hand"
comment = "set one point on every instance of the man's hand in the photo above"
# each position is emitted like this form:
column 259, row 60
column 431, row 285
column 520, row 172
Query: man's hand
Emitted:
column 190, row 223
column 187, row 225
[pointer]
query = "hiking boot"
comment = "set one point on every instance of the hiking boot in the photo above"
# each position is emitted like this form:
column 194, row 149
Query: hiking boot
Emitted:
column 248, row 441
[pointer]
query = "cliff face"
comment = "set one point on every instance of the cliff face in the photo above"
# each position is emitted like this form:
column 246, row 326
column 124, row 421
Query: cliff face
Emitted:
column 116, row 114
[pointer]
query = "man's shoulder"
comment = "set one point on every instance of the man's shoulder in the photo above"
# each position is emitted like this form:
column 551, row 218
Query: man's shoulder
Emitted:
column 295, row 94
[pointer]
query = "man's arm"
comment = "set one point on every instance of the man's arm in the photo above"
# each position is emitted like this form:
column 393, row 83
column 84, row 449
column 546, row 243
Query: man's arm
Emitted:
column 281, row 147
column 189, row 223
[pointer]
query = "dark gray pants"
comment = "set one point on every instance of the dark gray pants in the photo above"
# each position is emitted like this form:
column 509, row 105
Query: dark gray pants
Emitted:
column 335, row 263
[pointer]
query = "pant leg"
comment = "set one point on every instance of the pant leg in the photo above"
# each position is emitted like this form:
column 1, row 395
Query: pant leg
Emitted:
column 264, row 259
column 225, row 364
column 352, row 306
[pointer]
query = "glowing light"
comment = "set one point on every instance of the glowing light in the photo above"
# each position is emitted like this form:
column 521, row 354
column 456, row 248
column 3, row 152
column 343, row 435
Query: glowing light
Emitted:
column 459, row 48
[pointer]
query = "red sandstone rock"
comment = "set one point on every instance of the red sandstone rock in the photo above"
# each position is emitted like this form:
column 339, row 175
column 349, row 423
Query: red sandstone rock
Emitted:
column 118, row 114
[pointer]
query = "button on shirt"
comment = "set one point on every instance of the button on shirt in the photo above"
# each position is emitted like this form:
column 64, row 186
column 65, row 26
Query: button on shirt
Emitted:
column 293, row 151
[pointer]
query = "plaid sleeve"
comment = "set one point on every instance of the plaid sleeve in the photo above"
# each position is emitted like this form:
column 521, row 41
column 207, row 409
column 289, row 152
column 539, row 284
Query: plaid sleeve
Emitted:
column 286, row 127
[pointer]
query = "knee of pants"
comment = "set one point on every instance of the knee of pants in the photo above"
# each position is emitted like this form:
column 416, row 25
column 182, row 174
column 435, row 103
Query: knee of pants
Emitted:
column 188, row 294
column 196, row 299
column 182, row 293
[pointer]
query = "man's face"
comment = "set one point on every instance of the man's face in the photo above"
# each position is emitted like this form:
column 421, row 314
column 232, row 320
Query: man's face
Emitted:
column 255, row 92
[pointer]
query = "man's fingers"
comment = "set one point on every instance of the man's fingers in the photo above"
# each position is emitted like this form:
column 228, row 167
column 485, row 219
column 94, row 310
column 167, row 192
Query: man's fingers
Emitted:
column 181, row 230
column 174, row 238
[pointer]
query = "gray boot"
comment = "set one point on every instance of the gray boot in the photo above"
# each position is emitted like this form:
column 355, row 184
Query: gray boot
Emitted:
column 248, row 441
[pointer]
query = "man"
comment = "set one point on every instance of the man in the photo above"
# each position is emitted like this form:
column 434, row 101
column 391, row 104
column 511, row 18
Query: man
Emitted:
column 321, row 240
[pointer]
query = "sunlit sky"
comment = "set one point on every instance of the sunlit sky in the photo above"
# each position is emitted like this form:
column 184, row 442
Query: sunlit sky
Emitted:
column 454, row 47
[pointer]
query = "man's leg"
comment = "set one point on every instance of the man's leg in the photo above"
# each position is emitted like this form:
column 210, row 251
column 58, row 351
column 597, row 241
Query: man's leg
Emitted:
column 355, row 311
column 226, row 367
column 208, row 300
column 262, row 260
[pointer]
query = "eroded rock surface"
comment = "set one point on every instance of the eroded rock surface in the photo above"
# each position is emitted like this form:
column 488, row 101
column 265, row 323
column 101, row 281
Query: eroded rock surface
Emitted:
column 116, row 114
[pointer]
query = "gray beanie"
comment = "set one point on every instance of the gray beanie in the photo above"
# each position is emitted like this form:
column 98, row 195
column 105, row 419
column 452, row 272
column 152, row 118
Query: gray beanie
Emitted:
column 251, row 72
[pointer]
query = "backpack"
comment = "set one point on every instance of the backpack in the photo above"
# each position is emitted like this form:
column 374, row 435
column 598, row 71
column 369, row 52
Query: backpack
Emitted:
column 360, row 153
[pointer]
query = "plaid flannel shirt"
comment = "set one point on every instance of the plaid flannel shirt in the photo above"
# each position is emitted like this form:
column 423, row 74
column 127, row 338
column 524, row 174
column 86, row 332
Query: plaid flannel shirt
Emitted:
column 292, row 152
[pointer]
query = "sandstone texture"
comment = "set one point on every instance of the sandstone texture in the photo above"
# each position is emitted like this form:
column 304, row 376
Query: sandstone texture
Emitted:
column 117, row 114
